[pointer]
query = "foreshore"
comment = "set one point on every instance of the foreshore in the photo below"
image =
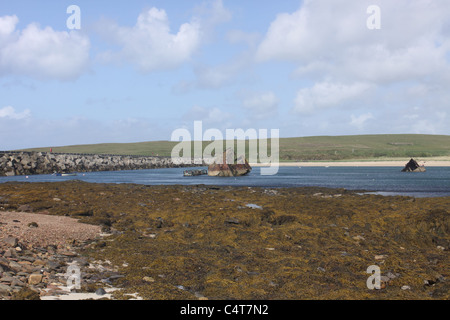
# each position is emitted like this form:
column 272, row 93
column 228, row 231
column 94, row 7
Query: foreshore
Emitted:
column 211, row 242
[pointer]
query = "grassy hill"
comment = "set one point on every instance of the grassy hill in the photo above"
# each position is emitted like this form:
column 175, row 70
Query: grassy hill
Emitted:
column 319, row 148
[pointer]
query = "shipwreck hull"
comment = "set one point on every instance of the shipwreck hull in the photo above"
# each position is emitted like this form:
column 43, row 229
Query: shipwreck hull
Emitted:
column 413, row 166
column 227, row 165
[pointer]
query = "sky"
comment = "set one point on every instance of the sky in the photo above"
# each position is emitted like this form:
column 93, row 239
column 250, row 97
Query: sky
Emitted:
column 132, row 71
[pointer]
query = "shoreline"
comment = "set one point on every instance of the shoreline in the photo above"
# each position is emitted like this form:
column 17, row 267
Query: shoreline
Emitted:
column 374, row 163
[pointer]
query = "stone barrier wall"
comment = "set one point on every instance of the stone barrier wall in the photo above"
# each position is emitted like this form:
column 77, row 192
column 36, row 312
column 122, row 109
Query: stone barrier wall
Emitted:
column 28, row 163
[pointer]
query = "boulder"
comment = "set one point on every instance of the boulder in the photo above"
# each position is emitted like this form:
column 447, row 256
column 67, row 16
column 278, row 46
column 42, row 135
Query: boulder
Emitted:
column 413, row 166
column 227, row 165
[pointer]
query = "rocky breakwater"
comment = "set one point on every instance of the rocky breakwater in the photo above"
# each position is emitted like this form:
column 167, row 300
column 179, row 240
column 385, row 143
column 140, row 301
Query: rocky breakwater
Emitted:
column 28, row 163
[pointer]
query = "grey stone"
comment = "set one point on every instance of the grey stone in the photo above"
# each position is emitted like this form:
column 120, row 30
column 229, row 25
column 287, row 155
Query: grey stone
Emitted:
column 5, row 290
column 100, row 292
column 17, row 283
column 10, row 253
column 7, row 279
column 15, row 266
column 25, row 208
column 11, row 241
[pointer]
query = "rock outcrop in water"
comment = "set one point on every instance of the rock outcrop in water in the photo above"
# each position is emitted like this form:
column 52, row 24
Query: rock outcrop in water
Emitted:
column 227, row 165
column 413, row 166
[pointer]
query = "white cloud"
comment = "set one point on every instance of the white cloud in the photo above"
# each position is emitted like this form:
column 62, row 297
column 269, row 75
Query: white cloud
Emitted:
column 41, row 53
column 8, row 25
column 326, row 94
column 331, row 37
column 217, row 76
column 209, row 116
column 213, row 77
column 345, row 66
column 211, row 14
column 149, row 44
column 16, row 133
column 10, row 113
column 360, row 121
column 261, row 105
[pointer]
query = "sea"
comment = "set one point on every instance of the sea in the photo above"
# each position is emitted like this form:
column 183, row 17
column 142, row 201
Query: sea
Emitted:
column 387, row 181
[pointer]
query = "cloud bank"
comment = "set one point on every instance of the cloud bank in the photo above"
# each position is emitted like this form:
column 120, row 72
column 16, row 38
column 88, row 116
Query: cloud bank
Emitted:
column 41, row 53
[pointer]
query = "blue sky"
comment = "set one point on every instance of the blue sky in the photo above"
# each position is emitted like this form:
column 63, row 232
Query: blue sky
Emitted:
column 138, row 70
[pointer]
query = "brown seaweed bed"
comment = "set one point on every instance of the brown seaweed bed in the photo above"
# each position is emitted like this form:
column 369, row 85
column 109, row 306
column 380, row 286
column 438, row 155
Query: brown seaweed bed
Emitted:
column 198, row 242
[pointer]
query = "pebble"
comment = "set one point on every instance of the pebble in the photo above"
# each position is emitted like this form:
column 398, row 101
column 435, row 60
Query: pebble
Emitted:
column 44, row 270
column 406, row 288
column 148, row 279
column 35, row 279
column 5, row 289
column 253, row 206
column 100, row 292
column 25, row 208
column 11, row 241
column 359, row 238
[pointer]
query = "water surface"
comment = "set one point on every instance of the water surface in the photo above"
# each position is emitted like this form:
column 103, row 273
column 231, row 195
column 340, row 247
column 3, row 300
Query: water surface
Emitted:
column 434, row 182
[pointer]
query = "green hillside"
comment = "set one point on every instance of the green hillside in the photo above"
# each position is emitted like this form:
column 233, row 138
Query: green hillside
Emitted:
column 300, row 149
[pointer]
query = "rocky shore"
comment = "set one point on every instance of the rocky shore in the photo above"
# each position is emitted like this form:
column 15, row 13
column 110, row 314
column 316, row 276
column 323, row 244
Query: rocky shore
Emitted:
column 40, row 272
column 28, row 163
column 38, row 263
column 208, row 242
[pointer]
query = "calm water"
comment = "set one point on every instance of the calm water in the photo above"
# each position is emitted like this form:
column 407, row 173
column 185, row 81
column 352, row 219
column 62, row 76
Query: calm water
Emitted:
column 383, row 180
